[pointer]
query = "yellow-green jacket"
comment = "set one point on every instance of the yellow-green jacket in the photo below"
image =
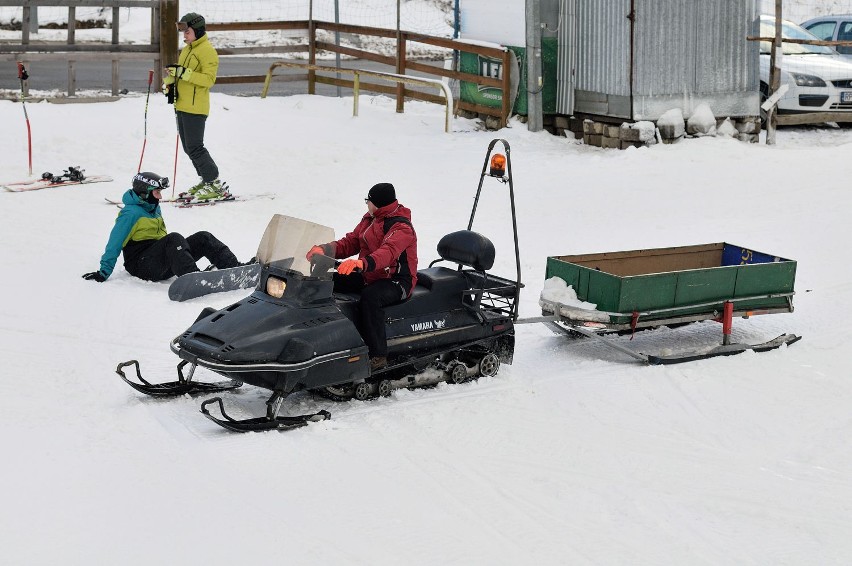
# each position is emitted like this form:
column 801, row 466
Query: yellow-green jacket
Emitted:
column 193, row 95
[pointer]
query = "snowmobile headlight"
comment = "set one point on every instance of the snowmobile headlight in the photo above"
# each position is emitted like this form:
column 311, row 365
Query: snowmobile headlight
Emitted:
column 498, row 165
column 275, row 287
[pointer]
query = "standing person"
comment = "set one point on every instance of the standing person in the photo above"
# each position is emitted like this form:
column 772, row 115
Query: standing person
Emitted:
column 385, row 272
column 187, row 86
column 150, row 252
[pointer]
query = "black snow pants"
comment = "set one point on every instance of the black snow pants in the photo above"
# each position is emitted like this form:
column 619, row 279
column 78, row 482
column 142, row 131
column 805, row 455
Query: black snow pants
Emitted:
column 191, row 131
column 176, row 255
column 374, row 297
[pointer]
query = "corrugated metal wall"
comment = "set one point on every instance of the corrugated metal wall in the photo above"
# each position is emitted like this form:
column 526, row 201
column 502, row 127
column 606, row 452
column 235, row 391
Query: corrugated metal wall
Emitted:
column 566, row 63
column 685, row 53
column 603, row 46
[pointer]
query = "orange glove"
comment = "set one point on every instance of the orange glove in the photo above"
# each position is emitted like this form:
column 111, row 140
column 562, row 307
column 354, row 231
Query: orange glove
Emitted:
column 349, row 266
column 313, row 251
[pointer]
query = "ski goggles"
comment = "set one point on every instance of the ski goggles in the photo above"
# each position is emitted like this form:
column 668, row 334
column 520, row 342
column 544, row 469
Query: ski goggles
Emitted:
column 182, row 26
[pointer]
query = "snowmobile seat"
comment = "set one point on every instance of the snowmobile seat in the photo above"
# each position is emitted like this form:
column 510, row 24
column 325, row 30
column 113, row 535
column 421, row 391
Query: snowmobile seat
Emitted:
column 438, row 289
column 467, row 248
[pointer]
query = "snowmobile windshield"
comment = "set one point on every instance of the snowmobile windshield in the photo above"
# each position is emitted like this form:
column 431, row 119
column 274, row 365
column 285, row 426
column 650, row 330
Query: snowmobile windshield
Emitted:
column 287, row 241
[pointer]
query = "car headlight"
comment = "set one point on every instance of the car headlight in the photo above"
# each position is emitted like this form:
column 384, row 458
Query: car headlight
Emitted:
column 275, row 287
column 807, row 80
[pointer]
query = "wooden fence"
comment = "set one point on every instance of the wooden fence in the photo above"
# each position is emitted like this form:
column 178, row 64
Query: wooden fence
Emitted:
column 163, row 46
column 163, row 15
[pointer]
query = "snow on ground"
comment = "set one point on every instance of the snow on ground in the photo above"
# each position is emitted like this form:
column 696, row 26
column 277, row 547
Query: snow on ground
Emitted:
column 572, row 455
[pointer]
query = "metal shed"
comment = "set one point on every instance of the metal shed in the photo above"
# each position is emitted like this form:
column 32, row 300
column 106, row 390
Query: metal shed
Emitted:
column 636, row 59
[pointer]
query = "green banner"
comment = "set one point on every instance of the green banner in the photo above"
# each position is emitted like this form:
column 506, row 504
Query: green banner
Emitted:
column 493, row 68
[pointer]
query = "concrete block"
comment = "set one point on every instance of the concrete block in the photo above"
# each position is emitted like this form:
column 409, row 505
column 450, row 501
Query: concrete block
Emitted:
column 670, row 132
column 625, row 144
column 593, row 140
column 597, row 128
column 610, row 143
column 612, row 131
column 629, row 134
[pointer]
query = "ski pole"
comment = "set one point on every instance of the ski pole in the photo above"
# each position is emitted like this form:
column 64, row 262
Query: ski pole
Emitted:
column 22, row 75
column 174, row 174
column 145, row 137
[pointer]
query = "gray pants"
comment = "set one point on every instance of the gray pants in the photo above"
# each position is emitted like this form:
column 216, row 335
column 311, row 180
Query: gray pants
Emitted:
column 191, row 131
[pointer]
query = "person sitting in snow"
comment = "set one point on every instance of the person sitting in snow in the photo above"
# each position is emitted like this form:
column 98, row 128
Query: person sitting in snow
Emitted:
column 150, row 252
column 385, row 272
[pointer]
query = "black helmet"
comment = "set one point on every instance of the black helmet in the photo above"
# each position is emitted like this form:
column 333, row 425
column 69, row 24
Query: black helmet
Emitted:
column 145, row 182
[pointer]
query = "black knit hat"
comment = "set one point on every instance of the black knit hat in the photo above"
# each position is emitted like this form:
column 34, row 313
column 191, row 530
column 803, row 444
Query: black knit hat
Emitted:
column 382, row 194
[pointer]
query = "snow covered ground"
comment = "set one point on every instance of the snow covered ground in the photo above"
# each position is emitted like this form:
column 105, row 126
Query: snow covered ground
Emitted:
column 573, row 455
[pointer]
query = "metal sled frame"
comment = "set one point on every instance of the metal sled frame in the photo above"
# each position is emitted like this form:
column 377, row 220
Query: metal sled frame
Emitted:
column 566, row 325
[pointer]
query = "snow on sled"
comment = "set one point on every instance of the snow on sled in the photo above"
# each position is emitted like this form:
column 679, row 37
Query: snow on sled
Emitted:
column 293, row 333
column 632, row 290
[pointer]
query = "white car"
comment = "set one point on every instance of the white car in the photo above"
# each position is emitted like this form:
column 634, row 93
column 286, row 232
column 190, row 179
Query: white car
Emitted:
column 820, row 79
column 833, row 28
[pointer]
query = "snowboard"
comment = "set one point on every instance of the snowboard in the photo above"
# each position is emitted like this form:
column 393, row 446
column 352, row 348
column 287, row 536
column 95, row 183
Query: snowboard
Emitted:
column 200, row 283
column 37, row 184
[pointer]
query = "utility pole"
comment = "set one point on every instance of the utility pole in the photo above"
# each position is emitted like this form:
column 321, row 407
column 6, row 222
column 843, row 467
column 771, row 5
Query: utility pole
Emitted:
column 775, row 58
column 534, row 84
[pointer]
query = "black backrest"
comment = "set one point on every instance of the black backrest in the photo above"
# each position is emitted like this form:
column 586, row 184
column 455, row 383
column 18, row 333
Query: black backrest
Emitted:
column 467, row 248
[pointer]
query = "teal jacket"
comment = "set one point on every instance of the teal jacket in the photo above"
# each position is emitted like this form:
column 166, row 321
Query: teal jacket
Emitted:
column 136, row 222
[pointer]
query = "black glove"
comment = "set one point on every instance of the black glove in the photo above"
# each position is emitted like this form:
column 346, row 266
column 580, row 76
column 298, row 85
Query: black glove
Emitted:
column 95, row 276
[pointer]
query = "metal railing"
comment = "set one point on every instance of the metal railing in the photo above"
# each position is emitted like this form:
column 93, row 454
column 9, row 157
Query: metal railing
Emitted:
column 357, row 73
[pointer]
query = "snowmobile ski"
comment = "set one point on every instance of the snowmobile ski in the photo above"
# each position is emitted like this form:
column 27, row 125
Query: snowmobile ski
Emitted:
column 184, row 384
column 200, row 283
column 71, row 176
column 272, row 421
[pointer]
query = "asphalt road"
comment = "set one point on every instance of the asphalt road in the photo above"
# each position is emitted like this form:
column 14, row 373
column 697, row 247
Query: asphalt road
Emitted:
column 133, row 76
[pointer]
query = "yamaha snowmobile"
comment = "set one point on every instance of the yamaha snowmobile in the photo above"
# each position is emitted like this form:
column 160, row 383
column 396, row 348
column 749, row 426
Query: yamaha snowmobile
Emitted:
column 293, row 333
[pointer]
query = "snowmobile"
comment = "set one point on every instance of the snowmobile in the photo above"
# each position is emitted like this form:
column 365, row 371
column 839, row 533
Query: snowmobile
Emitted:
column 293, row 333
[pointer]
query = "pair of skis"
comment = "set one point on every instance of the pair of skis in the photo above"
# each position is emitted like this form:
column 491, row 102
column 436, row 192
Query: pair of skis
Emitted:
column 71, row 176
column 183, row 203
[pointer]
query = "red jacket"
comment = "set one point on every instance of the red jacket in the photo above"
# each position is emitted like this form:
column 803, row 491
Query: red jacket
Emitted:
column 387, row 243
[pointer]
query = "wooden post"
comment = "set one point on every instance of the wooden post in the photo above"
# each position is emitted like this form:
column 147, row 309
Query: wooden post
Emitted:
column 72, row 25
column 72, row 78
column 506, row 107
column 774, row 76
column 312, row 56
column 400, row 63
column 400, row 70
column 312, row 49
column 168, row 34
column 26, row 16
column 116, row 19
